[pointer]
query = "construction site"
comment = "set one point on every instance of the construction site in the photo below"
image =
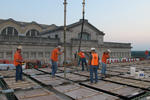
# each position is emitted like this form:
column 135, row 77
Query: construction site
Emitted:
column 39, row 85
column 50, row 62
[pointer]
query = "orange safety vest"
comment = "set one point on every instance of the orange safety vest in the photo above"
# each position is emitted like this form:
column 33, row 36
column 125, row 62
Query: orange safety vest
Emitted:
column 94, row 60
column 54, row 55
column 82, row 55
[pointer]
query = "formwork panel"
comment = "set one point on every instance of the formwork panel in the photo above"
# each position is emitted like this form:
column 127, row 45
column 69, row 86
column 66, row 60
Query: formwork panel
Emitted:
column 73, row 77
column 84, row 73
column 48, row 80
column 26, row 84
column 8, row 73
column 133, row 77
column 3, row 97
column 36, row 94
column 102, row 96
column 115, row 88
column 137, row 83
column 48, row 70
column 32, row 72
column 67, row 69
column 79, row 92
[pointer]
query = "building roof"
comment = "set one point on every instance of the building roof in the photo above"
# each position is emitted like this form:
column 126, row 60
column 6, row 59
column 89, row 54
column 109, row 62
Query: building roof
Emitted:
column 74, row 25
column 23, row 24
column 116, row 45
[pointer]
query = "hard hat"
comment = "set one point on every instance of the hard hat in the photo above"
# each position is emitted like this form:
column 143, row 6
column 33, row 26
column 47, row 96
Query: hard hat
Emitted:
column 92, row 49
column 19, row 47
column 82, row 50
column 109, row 50
column 59, row 46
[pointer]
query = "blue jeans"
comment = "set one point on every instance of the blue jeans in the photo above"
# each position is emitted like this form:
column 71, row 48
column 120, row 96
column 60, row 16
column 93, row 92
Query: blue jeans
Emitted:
column 54, row 68
column 18, row 72
column 147, row 56
column 103, row 70
column 93, row 70
column 83, row 60
column 79, row 61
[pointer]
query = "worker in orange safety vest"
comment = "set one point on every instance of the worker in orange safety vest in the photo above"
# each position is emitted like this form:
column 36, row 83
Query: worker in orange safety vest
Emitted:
column 18, row 60
column 82, row 59
column 105, row 56
column 54, row 59
column 94, row 64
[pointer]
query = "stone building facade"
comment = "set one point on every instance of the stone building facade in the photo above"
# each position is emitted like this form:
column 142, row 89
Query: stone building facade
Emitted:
column 38, row 40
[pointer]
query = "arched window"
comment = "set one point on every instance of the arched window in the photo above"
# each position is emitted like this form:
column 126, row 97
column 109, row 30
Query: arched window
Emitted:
column 9, row 31
column 32, row 33
column 85, row 36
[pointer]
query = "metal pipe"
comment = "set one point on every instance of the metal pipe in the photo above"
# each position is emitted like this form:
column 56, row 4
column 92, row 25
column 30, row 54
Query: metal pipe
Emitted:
column 83, row 13
column 65, row 4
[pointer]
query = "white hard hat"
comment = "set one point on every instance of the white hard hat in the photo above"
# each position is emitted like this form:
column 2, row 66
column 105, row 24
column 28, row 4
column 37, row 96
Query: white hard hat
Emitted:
column 109, row 50
column 59, row 46
column 92, row 49
column 19, row 47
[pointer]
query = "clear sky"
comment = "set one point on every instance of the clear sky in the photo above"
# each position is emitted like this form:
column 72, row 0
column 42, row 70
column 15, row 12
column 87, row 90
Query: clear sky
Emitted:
column 122, row 20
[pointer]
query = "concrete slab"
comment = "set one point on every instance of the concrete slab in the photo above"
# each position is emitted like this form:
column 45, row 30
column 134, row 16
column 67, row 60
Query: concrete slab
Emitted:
column 114, row 88
column 9, row 73
column 32, row 72
column 84, row 73
column 48, row 80
column 36, row 94
column 26, row 84
column 48, row 70
column 130, row 82
column 101, row 96
column 79, row 92
column 3, row 97
column 73, row 77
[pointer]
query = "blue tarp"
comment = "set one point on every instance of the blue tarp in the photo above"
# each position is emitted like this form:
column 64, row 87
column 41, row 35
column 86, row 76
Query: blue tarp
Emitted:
column 6, row 66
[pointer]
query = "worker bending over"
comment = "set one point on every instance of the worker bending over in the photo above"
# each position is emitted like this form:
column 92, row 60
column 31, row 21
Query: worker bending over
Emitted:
column 54, row 59
column 18, row 60
column 82, row 59
column 104, row 62
column 94, row 63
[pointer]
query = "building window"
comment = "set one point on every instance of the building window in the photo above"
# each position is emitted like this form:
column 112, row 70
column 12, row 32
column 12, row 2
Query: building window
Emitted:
column 33, row 54
column 85, row 36
column 47, row 54
column 25, row 54
column 32, row 33
column 9, row 55
column 9, row 31
column 56, row 36
column 40, row 54
column 1, row 54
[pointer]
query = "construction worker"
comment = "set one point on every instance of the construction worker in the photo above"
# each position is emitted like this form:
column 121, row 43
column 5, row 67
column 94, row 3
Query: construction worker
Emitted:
column 82, row 59
column 146, row 54
column 18, row 60
column 54, row 59
column 94, row 63
column 104, row 61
